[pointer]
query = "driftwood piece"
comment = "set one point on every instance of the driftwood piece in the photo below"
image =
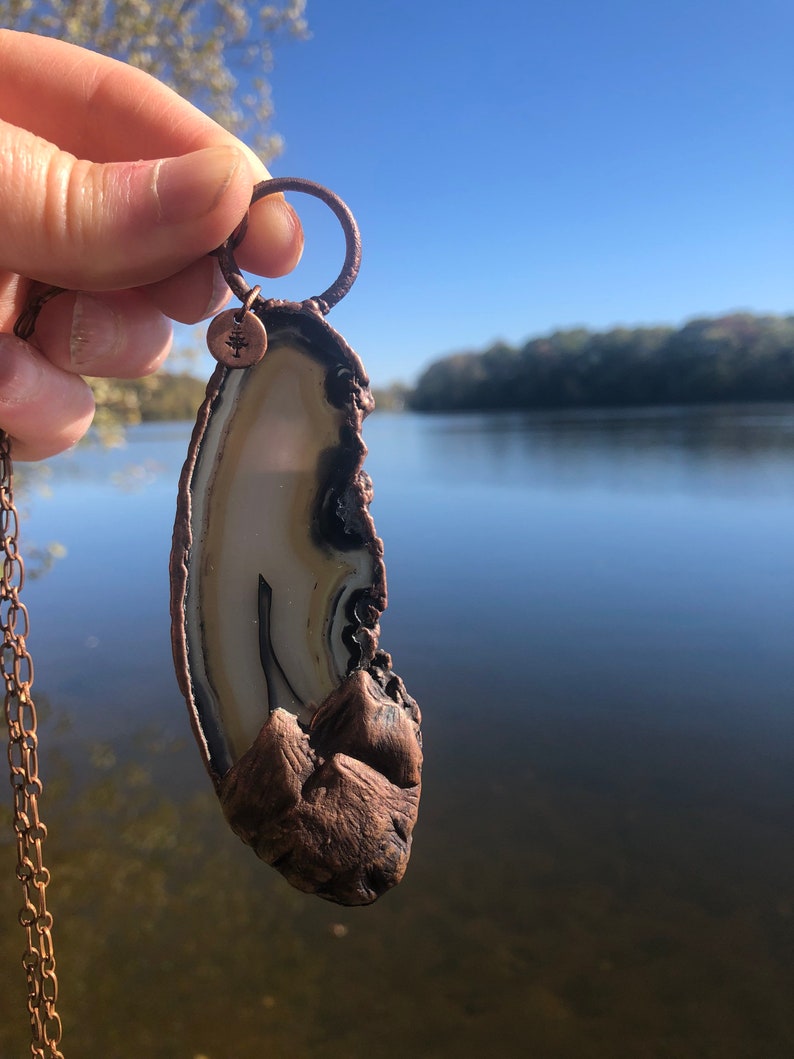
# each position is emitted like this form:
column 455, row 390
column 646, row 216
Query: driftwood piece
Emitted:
column 332, row 808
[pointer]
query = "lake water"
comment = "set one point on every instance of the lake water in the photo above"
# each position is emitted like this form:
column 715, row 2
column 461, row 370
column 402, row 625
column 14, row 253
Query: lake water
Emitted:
column 596, row 613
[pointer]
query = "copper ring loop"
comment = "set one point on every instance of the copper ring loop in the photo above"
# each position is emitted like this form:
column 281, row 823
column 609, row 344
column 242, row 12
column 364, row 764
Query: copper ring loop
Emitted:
column 346, row 277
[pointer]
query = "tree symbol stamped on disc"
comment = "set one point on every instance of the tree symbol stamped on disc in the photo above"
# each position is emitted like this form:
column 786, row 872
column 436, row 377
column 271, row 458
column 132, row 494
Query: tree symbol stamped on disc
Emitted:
column 237, row 343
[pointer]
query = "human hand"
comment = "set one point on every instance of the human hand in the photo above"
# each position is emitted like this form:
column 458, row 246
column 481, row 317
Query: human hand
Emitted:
column 77, row 210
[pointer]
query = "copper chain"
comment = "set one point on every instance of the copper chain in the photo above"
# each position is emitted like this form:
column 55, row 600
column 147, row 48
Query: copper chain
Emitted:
column 16, row 667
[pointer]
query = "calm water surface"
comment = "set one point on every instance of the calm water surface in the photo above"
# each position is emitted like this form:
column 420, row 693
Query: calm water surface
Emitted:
column 596, row 612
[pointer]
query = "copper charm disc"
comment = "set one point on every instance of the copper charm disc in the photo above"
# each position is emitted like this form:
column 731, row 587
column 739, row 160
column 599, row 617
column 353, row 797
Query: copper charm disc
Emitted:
column 237, row 342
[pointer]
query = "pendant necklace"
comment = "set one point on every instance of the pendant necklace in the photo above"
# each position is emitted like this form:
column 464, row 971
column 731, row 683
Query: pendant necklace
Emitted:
column 277, row 587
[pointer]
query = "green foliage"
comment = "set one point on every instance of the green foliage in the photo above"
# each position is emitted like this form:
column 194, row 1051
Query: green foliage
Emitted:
column 196, row 46
column 392, row 398
column 125, row 402
column 739, row 357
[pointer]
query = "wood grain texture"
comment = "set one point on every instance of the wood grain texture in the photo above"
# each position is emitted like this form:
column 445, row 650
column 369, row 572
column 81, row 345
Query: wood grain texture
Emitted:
column 333, row 807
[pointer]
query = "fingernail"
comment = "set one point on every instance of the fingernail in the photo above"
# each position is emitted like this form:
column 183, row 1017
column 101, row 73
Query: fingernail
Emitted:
column 96, row 332
column 297, row 228
column 191, row 186
column 20, row 371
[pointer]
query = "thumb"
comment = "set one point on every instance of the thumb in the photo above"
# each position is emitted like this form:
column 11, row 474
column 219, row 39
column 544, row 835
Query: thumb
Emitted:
column 91, row 226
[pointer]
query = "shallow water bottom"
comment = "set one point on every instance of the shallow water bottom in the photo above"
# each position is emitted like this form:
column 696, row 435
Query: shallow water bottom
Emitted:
column 570, row 894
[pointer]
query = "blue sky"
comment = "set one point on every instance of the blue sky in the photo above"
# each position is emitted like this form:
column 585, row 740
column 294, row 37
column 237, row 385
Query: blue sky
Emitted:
column 517, row 167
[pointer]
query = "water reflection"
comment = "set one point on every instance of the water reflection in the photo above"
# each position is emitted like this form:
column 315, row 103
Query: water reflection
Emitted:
column 712, row 449
column 599, row 630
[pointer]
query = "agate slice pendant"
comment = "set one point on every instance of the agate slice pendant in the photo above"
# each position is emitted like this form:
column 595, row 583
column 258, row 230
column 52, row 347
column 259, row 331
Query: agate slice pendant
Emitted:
column 277, row 587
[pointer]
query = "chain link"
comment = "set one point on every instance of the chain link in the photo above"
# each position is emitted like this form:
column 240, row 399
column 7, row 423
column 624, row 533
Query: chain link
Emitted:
column 16, row 667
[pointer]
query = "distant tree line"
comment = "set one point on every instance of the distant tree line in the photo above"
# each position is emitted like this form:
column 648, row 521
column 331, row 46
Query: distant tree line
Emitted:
column 125, row 402
column 739, row 357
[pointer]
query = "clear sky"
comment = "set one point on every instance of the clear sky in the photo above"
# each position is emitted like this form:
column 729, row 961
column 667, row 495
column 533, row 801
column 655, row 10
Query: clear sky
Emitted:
column 518, row 166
